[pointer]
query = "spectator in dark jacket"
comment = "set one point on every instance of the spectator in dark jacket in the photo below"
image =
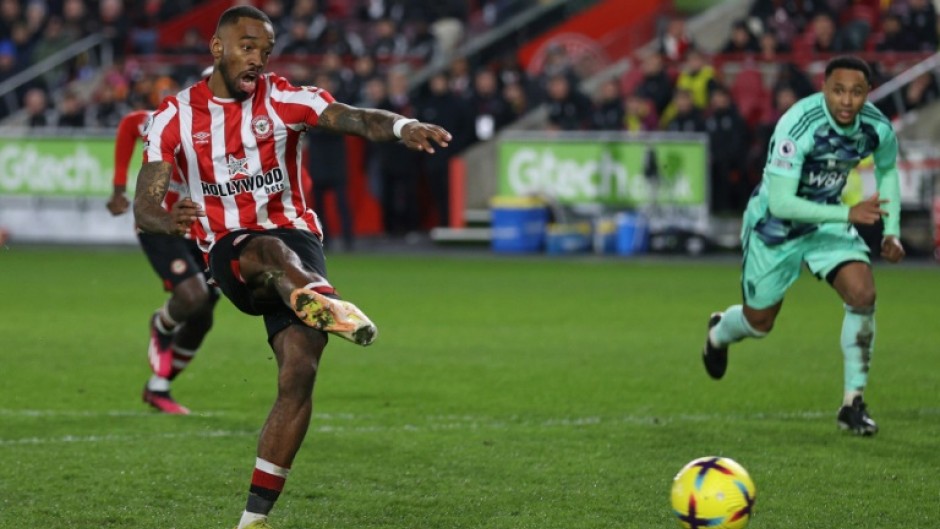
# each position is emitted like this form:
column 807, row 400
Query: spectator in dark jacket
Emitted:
column 568, row 108
column 824, row 35
column 296, row 42
column 326, row 163
column 921, row 22
column 656, row 84
column 609, row 107
column 727, row 135
column 894, row 37
column 342, row 77
column 363, row 71
column 489, row 110
column 37, row 108
column 443, row 107
column 336, row 39
column 517, row 100
column 10, row 13
column 71, row 111
column 688, row 118
column 388, row 44
column 423, row 44
column 113, row 23
column 792, row 76
column 770, row 47
column 8, row 101
column 741, row 39
column 399, row 166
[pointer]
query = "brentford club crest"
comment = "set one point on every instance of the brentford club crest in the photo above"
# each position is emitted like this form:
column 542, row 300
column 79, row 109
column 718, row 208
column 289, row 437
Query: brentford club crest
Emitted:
column 261, row 127
column 178, row 266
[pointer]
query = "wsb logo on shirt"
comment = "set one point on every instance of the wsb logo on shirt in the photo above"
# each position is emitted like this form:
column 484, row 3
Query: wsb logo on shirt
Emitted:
column 270, row 182
column 826, row 178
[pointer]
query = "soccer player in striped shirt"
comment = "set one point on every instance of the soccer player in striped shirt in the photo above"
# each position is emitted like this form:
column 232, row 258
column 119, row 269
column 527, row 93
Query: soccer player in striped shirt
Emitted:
column 235, row 138
column 177, row 328
column 797, row 216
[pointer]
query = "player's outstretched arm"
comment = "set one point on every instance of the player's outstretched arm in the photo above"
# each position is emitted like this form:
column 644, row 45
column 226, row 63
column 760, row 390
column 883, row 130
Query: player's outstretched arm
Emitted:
column 379, row 125
column 152, row 183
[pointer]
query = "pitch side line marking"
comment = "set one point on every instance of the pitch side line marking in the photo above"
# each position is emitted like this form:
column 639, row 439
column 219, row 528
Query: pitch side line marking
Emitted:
column 9, row 412
column 80, row 413
column 431, row 423
column 68, row 439
column 509, row 419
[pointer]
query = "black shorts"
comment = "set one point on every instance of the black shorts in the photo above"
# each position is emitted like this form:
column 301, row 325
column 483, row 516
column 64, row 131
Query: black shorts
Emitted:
column 223, row 264
column 173, row 258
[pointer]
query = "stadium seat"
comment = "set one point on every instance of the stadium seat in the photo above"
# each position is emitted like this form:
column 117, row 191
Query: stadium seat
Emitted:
column 863, row 13
column 803, row 45
column 631, row 78
column 751, row 96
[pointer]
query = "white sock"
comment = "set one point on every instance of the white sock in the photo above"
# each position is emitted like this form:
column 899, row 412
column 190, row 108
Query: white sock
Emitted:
column 158, row 383
column 182, row 357
column 318, row 284
column 248, row 517
column 165, row 323
column 732, row 328
column 849, row 397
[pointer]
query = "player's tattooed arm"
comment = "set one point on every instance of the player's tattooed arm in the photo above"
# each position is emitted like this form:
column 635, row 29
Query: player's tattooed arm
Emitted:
column 149, row 214
column 370, row 123
column 379, row 125
column 152, row 183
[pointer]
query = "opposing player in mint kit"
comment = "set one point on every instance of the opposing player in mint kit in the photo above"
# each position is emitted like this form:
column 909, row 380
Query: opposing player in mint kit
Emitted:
column 796, row 215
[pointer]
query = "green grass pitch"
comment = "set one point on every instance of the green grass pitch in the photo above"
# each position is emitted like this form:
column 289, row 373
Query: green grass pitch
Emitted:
column 502, row 393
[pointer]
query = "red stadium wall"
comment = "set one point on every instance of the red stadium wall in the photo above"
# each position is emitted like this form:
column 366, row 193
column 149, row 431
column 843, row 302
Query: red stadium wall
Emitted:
column 615, row 26
column 202, row 17
column 366, row 211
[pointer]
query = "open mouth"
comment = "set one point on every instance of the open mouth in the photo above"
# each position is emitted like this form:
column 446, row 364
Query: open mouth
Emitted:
column 248, row 82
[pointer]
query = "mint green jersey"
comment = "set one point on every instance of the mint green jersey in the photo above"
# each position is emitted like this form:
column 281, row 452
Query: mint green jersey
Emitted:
column 810, row 146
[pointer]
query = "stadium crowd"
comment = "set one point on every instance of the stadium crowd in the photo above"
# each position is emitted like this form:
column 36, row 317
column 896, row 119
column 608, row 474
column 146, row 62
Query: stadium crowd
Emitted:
column 365, row 52
column 770, row 60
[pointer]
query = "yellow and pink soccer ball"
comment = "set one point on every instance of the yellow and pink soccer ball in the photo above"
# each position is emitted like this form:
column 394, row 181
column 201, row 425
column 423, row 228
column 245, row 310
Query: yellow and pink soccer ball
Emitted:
column 713, row 492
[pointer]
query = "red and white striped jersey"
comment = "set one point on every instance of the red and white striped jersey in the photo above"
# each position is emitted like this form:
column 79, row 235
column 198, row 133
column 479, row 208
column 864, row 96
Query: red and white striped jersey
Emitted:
column 242, row 160
column 129, row 131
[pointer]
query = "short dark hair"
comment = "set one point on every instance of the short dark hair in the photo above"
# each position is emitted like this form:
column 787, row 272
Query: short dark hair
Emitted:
column 718, row 88
column 849, row 62
column 232, row 14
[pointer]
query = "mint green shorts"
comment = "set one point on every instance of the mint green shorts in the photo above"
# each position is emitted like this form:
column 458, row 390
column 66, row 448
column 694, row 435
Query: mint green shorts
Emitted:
column 768, row 271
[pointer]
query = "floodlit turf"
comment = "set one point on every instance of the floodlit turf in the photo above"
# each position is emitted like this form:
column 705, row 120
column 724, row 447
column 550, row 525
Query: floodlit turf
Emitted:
column 502, row 393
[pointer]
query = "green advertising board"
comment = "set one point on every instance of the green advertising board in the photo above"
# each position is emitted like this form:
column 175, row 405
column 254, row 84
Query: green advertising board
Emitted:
column 621, row 172
column 691, row 7
column 59, row 166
